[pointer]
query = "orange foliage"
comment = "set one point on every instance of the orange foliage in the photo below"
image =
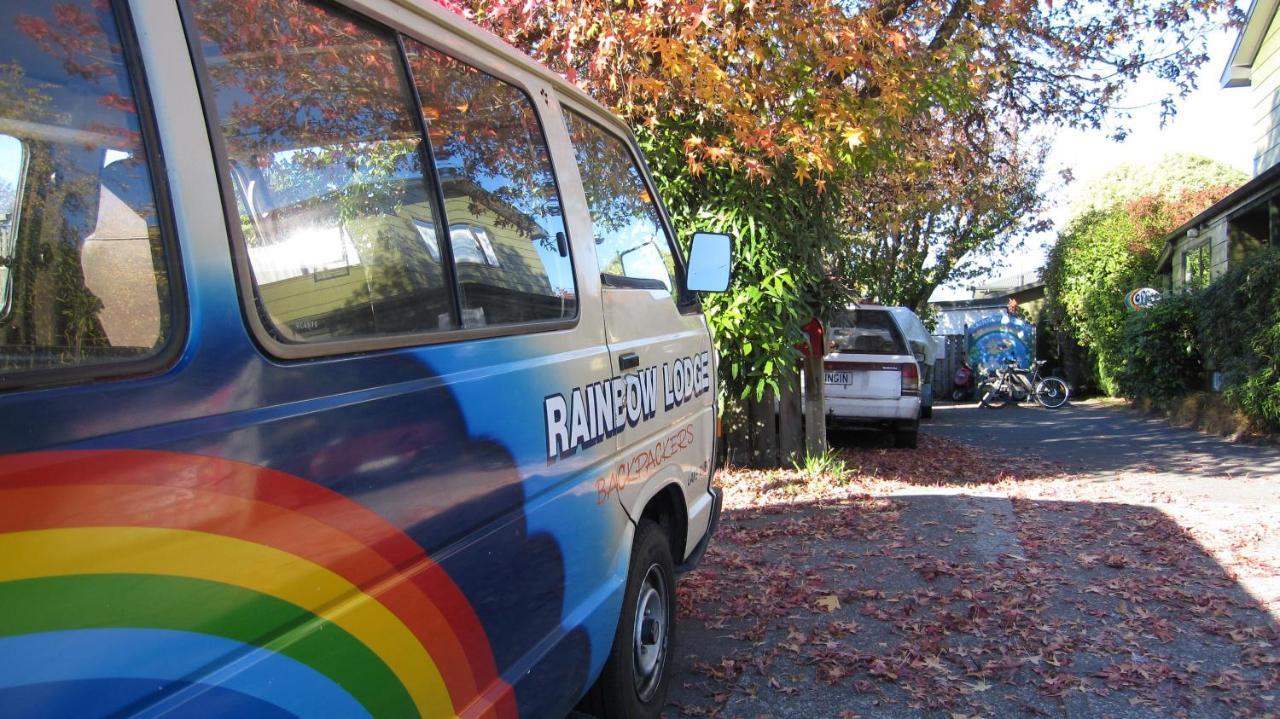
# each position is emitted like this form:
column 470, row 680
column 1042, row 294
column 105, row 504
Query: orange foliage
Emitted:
column 820, row 85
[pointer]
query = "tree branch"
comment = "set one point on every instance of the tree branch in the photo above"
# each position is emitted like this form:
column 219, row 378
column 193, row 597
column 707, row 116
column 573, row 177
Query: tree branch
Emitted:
column 950, row 24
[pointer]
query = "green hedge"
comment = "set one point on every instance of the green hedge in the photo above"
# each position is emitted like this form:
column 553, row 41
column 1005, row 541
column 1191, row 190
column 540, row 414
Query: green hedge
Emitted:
column 1090, row 269
column 1239, row 327
column 1161, row 351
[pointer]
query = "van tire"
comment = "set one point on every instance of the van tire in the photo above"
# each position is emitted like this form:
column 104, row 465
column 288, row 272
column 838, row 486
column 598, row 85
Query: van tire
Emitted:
column 651, row 576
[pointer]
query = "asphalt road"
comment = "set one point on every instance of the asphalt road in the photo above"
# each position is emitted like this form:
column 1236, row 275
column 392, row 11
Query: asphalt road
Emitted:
column 1102, row 436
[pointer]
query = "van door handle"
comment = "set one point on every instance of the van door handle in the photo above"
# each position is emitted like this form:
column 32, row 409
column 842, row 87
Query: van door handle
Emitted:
column 630, row 360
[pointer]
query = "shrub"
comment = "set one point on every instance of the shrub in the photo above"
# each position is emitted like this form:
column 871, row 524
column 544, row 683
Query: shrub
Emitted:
column 1111, row 246
column 1239, row 327
column 826, row 464
column 1091, row 268
column 1161, row 352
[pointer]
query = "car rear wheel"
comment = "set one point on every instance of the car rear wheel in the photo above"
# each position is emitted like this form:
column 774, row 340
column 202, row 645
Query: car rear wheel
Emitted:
column 906, row 437
column 633, row 683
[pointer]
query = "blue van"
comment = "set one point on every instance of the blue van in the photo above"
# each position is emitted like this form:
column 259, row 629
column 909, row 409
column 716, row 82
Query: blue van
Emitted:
column 350, row 368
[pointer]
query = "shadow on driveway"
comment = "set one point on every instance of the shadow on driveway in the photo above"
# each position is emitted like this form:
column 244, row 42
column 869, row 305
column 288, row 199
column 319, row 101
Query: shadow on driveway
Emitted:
column 847, row 604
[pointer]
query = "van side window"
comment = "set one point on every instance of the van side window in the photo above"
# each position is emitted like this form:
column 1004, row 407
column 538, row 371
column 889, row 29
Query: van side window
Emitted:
column 84, row 279
column 317, row 119
column 505, row 224
column 630, row 239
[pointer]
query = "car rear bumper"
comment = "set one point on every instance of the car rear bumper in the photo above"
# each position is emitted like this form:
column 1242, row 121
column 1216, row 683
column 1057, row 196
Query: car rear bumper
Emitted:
column 901, row 409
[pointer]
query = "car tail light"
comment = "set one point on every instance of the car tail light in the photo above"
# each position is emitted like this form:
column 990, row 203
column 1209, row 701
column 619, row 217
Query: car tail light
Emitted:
column 910, row 378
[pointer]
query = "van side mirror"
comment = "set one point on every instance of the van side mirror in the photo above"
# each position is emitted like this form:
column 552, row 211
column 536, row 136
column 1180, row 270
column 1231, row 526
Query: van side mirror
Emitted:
column 710, row 259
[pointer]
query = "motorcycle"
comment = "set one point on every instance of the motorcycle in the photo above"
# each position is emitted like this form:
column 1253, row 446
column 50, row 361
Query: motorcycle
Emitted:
column 962, row 384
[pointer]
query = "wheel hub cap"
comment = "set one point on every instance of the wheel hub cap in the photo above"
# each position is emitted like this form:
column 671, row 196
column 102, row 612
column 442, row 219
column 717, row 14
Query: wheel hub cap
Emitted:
column 650, row 633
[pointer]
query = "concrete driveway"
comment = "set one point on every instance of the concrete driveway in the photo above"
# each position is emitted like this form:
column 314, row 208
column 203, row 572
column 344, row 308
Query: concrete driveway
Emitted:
column 1134, row 574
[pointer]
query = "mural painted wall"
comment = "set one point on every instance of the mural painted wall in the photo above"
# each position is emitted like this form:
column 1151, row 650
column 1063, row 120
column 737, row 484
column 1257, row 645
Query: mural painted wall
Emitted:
column 998, row 338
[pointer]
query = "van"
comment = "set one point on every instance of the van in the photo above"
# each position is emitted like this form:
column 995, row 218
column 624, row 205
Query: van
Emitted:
column 924, row 347
column 871, row 378
column 349, row 368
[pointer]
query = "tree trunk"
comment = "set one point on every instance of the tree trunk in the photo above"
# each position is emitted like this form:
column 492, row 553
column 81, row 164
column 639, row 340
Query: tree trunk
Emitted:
column 790, row 424
column 815, row 408
column 764, row 431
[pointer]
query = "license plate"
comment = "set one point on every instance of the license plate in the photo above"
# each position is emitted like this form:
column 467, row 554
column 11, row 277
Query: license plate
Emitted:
column 839, row 377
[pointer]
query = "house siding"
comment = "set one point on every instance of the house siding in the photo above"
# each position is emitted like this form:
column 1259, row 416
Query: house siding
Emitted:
column 1265, row 86
column 1220, row 248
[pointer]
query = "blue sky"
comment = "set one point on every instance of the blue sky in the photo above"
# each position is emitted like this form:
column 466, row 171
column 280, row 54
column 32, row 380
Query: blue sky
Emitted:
column 1212, row 121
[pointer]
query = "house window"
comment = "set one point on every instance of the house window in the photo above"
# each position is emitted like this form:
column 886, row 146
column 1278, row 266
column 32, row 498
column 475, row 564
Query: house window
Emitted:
column 1195, row 267
column 471, row 244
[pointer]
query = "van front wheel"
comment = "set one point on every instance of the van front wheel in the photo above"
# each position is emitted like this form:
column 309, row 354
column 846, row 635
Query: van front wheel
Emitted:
column 634, row 680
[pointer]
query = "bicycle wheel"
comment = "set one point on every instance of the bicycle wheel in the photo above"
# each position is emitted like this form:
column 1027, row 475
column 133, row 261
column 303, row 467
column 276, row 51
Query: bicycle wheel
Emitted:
column 983, row 394
column 1052, row 392
column 989, row 395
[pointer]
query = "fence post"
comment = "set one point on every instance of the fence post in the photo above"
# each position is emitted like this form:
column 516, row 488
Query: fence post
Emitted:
column 737, row 432
column 815, row 420
column 790, row 423
column 764, row 431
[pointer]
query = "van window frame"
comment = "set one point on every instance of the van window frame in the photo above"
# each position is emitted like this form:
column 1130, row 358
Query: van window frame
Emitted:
column 153, row 153
column 240, row 257
column 687, row 303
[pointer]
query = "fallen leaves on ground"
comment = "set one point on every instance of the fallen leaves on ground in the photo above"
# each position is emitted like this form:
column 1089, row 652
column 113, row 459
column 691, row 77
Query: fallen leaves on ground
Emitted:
column 954, row 582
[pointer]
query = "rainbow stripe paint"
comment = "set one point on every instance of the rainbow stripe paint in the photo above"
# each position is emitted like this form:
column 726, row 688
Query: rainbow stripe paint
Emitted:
column 147, row 582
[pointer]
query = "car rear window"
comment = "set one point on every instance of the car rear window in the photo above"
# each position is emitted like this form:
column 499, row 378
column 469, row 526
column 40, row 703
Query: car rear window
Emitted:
column 870, row 332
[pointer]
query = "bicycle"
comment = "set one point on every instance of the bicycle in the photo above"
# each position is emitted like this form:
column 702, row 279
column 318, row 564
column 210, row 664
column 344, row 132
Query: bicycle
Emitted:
column 1014, row 383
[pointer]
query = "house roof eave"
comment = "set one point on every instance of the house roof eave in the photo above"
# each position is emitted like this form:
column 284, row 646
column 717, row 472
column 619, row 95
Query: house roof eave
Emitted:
column 1248, row 41
column 1242, row 195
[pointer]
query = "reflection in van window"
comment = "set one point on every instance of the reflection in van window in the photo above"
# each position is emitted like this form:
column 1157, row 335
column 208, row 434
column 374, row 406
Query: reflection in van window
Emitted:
column 316, row 116
column 506, row 228
column 84, row 277
column 630, row 239
column 12, row 168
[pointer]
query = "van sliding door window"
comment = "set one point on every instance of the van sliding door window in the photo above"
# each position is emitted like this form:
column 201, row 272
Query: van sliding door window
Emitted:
column 84, row 281
column 324, row 152
column 500, row 196
column 631, row 244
